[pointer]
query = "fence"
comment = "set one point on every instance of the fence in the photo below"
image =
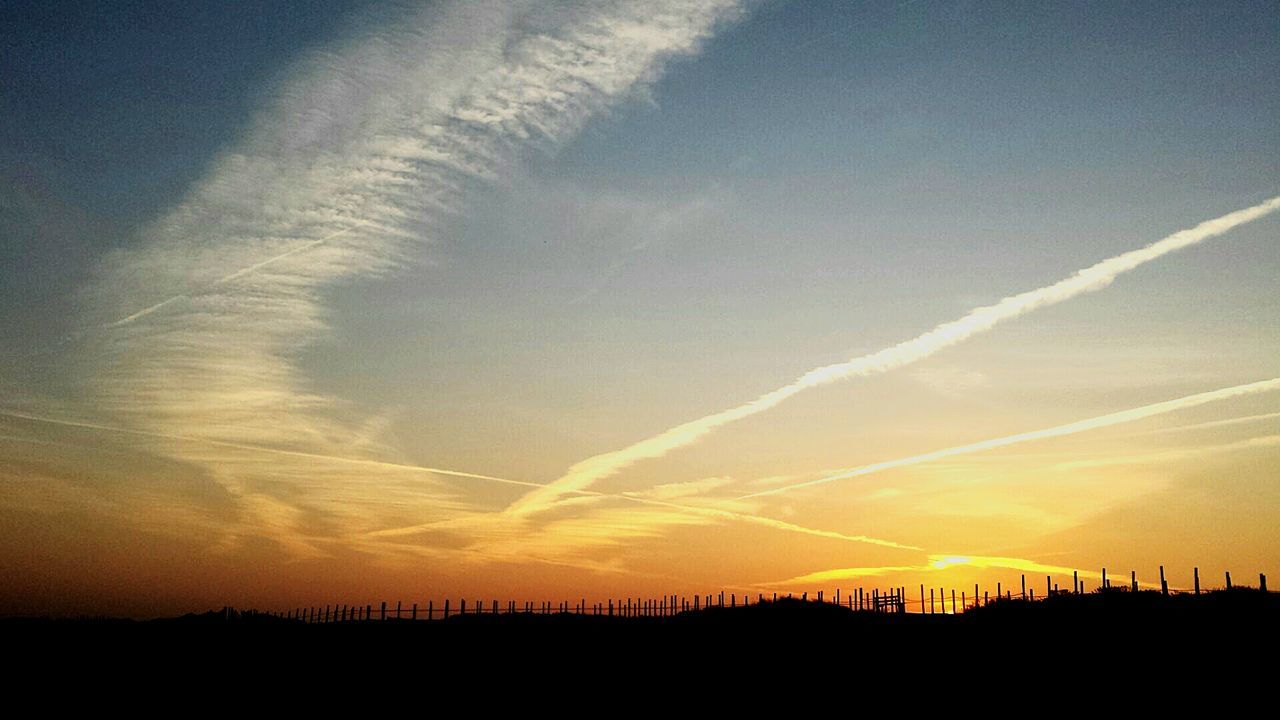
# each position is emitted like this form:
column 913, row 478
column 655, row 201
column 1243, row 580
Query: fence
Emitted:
column 876, row 600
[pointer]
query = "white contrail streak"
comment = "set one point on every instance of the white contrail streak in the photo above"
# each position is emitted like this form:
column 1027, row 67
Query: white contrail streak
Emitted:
column 977, row 321
column 233, row 276
column 706, row 512
column 1253, row 443
column 262, row 449
column 1095, row 423
column 1215, row 423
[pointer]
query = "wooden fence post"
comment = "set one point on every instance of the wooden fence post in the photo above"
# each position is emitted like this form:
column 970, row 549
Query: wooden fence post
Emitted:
column 1104, row 579
column 931, row 608
column 1133, row 579
column 953, row 601
column 1048, row 586
column 383, row 614
column 1024, row 587
column 1197, row 574
column 1164, row 584
column 1228, row 579
column 964, row 602
column 1262, row 582
column 922, row 599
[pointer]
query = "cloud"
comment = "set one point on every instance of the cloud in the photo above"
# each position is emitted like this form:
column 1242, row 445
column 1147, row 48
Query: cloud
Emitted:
column 951, row 381
column 1094, row 423
column 675, row 491
column 936, row 563
column 364, row 152
column 1264, row 441
column 979, row 320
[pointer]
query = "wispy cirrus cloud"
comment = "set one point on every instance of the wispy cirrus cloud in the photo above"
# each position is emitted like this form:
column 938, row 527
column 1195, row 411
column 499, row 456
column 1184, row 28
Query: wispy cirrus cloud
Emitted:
column 367, row 149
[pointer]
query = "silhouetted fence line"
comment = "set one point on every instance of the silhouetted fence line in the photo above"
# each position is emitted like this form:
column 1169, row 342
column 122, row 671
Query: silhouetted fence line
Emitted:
column 894, row 600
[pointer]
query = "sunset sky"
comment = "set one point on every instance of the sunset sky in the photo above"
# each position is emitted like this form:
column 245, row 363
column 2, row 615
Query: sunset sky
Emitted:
column 312, row 302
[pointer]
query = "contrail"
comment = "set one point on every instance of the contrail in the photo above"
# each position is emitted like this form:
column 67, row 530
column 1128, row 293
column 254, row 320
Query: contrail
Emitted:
column 713, row 513
column 1215, row 423
column 1252, row 443
column 234, row 276
column 1102, row 421
column 263, row 449
column 977, row 321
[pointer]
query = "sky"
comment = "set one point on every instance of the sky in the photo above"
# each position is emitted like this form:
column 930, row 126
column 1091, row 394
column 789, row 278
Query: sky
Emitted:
column 311, row 302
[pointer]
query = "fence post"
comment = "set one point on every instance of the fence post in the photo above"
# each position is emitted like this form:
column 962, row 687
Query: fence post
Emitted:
column 922, row 599
column 1164, row 584
column 999, row 591
column 1228, row 579
column 1024, row 586
column 953, row 601
column 1048, row 585
column 383, row 613
column 1262, row 582
column 1197, row 574
column 1133, row 579
column 1104, row 579
column 964, row 602
column 931, row 608
column 414, row 616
